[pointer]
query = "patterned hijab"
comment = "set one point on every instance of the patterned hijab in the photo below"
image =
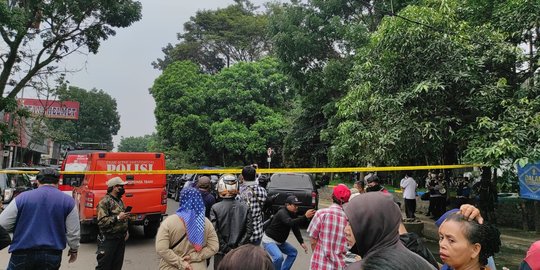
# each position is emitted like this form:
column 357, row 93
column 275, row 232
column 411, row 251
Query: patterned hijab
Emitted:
column 191, row 211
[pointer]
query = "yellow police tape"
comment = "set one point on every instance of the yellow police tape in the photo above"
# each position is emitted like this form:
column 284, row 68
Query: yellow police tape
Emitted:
column 271, row 170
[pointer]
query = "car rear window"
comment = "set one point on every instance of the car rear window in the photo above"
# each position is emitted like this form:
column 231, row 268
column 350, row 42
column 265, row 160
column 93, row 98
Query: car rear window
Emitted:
column 290, row 181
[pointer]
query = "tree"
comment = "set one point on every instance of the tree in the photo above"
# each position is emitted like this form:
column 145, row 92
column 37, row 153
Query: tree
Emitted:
column 56, row 28
column 136, row 144
column 214, row 39
column 415, row 91
column 229, row 118
column 98, row 117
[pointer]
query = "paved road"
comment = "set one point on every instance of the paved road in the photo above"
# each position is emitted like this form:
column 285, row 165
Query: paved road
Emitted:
column 141, row 254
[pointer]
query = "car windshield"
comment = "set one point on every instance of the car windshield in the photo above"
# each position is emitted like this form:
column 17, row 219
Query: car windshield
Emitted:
column 14, row 180
column 290, row 181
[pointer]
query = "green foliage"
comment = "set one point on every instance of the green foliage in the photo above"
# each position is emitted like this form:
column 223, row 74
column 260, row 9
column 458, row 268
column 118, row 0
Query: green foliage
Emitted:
column 137, row 144
column 59, row 28
column 413, row 91
column 214, row 39
column 229, row 118
column 98, row 117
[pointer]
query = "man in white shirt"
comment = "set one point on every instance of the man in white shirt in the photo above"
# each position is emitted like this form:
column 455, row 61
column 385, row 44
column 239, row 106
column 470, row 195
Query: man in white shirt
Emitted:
column 408, row 185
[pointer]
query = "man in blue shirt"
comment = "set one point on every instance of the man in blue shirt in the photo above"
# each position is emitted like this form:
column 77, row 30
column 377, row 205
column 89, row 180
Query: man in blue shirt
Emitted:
column 43, row 221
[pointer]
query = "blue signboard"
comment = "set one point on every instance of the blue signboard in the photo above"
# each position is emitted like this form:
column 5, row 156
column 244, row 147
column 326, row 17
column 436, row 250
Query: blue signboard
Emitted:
column 529, row 181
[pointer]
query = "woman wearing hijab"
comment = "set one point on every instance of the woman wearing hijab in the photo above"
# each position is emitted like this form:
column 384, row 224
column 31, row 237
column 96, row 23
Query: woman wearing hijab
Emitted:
column 187, row 239
column 373, row 226
column 532, row 260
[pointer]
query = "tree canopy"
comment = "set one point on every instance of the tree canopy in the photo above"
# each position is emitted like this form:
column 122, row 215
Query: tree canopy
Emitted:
column 137, row 144
column 38, row 34
column 98, row 117
column 229, row 118
column 406, row 82
column 214, row 39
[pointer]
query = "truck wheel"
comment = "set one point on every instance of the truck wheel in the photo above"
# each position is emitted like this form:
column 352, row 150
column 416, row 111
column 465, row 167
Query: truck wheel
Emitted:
column 151, row 229
column 88, row 233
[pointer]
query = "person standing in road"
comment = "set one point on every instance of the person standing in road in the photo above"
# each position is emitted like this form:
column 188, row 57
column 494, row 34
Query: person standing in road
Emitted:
column 113, row 226
column 231, row 218
column 409, row 195
column 255, row 197
column 204, row 184
column 275, row 237
column 43, row 221
column 185, row 240
column 326, row 230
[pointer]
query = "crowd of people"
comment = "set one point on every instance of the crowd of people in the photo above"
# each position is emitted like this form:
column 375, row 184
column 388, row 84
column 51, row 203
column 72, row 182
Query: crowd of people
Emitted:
column 362, row 229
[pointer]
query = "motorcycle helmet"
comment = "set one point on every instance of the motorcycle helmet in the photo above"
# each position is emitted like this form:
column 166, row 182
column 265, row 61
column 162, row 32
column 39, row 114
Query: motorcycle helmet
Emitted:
column 227, row 186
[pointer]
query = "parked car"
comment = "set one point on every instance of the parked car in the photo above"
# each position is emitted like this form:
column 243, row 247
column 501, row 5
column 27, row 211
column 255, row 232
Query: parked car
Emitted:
column 13, row 184
column 298, row 184
column 32, row 176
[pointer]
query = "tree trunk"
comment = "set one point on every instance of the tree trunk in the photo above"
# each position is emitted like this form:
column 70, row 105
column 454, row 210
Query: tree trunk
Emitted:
column 537, row 216
column 524, row 215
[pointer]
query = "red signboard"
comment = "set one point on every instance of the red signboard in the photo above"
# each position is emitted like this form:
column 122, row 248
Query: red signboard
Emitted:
column 52, row 108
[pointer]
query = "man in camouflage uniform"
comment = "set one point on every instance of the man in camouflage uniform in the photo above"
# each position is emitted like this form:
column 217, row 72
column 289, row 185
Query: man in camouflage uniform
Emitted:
column 113, row 226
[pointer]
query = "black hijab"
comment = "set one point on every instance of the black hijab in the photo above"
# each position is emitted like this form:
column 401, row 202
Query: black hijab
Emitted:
column 375, row 219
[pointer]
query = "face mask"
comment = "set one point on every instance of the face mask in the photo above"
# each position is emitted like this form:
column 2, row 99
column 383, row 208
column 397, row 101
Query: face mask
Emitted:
column 121, row 191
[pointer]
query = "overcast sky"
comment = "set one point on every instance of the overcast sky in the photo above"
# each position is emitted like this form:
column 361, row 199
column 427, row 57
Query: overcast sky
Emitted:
column 123, row 67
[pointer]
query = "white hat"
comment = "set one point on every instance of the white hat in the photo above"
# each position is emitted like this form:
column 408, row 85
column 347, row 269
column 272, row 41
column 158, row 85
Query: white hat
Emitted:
column 115, row 181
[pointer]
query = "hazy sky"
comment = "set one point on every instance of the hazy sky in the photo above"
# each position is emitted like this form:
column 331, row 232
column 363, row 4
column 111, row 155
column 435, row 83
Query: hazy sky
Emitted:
column 123, row 67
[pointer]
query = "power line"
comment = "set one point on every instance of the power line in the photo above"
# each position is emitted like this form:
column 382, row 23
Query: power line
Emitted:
column 435, row 29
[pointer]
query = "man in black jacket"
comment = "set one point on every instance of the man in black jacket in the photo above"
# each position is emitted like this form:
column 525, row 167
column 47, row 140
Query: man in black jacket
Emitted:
column 275, row 236
column 231, row 218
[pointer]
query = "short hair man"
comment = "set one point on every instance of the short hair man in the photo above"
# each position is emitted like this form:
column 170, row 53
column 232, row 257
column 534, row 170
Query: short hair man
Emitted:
column 113, row 226
column 43, row 220
column 275, row 237
column 255, row 197
column 204, row 185
column 327, row 232
column 231, row 218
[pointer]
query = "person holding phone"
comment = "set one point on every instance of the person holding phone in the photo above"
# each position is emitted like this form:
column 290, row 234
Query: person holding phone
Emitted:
column 113, row 219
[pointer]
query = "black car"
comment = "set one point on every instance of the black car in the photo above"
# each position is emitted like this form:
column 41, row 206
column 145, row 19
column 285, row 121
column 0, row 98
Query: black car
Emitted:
column 298, row 184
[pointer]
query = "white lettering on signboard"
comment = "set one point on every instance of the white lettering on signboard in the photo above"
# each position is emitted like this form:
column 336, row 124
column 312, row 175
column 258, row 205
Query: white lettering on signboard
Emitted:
column 130, row 167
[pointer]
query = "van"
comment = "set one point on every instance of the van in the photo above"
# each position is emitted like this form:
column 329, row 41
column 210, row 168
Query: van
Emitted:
column 145, row 193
